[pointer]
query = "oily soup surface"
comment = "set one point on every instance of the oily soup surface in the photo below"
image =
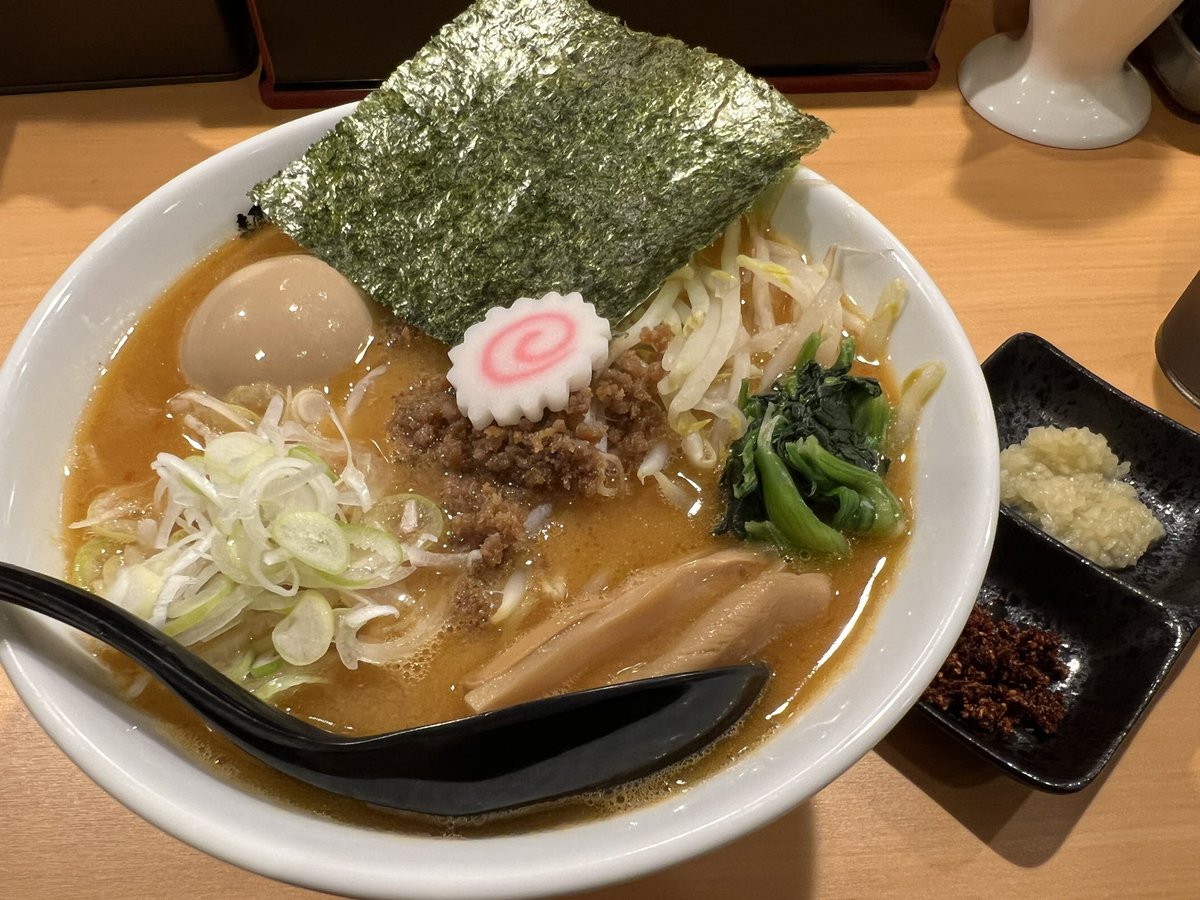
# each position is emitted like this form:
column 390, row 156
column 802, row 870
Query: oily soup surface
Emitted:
column 126, row 424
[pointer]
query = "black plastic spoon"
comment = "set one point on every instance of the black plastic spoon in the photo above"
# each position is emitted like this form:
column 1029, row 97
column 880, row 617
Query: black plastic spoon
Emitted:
column 491, row 762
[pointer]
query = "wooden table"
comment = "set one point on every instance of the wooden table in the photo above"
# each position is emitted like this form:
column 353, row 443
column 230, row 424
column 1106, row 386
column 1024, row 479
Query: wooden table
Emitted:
column 1088, row 249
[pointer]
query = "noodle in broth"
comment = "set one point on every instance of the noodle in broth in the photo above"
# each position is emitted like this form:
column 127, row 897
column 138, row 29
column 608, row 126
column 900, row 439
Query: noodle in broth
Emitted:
column 588, row 540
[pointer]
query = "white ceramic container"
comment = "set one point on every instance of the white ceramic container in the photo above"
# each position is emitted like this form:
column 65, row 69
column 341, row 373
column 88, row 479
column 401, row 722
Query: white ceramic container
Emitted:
column 47, row 378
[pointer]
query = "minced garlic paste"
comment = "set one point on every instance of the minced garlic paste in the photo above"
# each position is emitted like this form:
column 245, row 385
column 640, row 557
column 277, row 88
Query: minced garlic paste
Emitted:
column 1068, row 483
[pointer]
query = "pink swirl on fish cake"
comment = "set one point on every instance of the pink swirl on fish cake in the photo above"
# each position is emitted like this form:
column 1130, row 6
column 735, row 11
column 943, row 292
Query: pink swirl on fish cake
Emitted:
column 528, row 347
column 525, row 359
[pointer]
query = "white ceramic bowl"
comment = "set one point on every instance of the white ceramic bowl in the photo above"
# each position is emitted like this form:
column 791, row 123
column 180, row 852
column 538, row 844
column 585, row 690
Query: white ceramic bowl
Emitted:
column 46, row 380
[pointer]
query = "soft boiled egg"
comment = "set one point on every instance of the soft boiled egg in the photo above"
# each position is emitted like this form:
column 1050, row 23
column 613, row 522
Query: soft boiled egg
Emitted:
column 287, row 320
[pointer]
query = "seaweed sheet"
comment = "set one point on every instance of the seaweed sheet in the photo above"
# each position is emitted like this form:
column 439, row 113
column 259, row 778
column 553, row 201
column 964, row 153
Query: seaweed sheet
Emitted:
column 530, row 146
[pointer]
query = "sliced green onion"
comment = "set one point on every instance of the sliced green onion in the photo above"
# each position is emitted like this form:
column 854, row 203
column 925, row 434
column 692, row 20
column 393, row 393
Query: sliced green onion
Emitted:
column 374, row 556
column 231, row 553
column 216, row 588
column 265, row 665
column 119, row 531
column 87, row 569
column 210, row 620
column 253, row 530
column 314, row 539
column 231, row 457
column 119, row 504
column 240, row 667
column 284, row 682
column 309, row 455
column 141, row 588
column 304, row 634
column 407, row 516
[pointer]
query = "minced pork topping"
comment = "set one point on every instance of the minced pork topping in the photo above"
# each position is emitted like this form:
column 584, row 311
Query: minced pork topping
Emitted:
column 608, row 425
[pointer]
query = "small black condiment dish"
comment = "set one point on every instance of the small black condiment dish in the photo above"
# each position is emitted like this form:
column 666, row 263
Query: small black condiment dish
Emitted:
column 1122, row 630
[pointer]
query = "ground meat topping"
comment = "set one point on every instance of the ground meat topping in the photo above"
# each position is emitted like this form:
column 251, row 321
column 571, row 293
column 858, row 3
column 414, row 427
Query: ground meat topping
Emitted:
column 545, row 456
column 627, row 395
column 488, row 517
column 474, row 601
column 1000, row 676
column 562, row 451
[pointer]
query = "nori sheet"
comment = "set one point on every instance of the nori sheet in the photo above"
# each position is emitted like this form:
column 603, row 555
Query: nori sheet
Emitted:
column 531, row 146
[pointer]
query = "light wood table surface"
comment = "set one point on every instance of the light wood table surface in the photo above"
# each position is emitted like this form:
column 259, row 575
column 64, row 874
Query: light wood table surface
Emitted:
column 1089, row 249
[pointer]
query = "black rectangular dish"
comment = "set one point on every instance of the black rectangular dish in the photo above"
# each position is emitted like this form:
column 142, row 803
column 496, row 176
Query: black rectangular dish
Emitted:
column 1121, row 630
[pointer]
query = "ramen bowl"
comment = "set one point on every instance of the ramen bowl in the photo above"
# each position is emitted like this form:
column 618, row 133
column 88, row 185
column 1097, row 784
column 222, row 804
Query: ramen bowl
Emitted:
column 68, row 340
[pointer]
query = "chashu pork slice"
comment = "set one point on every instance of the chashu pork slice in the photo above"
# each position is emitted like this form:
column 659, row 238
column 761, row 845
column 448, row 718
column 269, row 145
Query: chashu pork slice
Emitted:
column 741, row 623
column 633, row 611
column 560, row 620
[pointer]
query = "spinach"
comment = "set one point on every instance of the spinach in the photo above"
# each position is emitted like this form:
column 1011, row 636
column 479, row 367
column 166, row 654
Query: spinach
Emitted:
column 810, row 467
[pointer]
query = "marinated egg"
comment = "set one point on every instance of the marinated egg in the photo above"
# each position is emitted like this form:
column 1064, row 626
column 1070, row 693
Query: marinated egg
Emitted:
column 286, row 320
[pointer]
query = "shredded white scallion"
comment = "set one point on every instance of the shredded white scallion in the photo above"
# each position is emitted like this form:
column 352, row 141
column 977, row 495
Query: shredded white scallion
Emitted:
column 209, row 556
column 359, row 392
column 511, row 595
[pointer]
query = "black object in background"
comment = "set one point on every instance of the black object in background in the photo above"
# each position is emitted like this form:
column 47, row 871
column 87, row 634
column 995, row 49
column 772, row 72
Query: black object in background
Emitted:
column 51, row 45
column 316, row 53
column 1170, row 58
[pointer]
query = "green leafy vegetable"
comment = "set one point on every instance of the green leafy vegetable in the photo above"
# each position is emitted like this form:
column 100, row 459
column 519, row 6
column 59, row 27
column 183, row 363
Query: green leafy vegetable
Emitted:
column 865, row 503
column 531, row 146
column 809, row 467
column 790, row 521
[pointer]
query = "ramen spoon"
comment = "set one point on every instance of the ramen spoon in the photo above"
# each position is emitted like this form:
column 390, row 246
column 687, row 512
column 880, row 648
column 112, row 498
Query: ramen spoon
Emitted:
column 499, row 760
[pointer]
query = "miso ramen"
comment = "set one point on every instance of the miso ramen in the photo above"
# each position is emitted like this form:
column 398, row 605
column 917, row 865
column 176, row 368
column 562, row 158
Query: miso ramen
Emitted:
column 510, row 536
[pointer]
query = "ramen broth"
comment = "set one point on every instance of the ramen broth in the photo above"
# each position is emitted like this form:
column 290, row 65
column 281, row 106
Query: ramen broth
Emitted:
column 126, row 424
